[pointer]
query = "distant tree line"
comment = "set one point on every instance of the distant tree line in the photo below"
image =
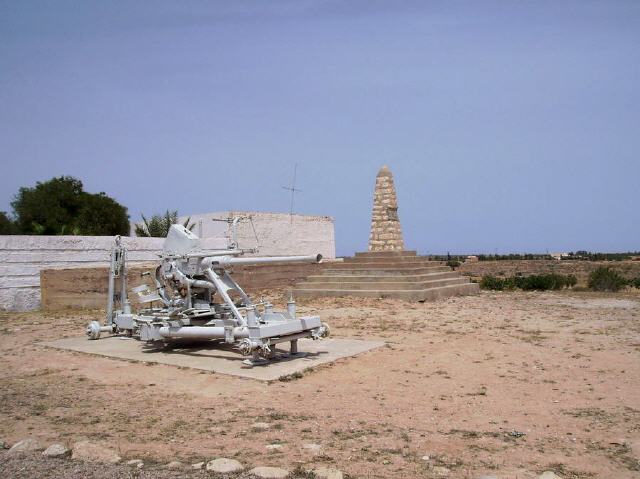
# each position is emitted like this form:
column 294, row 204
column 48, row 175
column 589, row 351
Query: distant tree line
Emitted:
column 513, row 256
column 588, row 256
column 577, row 255
column 490, row 257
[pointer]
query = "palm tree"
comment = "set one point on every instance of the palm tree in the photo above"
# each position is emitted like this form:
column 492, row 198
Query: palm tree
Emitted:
column 158, row 226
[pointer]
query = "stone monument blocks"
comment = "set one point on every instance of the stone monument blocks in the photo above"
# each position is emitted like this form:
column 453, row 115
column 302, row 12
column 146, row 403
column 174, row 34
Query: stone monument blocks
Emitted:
column 386, row 234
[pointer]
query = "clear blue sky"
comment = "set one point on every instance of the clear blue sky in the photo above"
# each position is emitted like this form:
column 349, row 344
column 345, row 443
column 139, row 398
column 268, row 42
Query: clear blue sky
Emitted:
column 509, row 126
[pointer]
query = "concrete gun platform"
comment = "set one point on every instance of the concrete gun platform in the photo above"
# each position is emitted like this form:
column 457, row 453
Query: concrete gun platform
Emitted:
column 218, row 358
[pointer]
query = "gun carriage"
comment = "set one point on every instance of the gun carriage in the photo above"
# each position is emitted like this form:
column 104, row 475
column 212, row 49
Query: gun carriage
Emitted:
column 192, row 299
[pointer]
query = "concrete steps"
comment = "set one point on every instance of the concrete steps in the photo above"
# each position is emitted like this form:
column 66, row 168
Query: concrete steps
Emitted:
column 386, row 278
column 387, row 274
column 391, row 271
column 395, row 286
column 384, row 254
column 389, row 259
column 385, row 264
column 408, row 295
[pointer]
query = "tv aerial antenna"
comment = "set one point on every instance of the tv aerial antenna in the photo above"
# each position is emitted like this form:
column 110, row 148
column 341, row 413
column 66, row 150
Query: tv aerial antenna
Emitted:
column 292, row 188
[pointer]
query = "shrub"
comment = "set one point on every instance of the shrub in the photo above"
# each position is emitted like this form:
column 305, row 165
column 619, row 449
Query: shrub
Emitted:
column 497, row 284
column 491, row 282
column 452, row 263
column 635, row 282
column 541, row 282
column 606, row 279
column 535, row 282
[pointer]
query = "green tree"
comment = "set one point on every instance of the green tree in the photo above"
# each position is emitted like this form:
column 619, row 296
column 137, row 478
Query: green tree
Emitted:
column 158, row 226
column 61, row 206
column 102, row 216
column 49, row 207
column 7, row 225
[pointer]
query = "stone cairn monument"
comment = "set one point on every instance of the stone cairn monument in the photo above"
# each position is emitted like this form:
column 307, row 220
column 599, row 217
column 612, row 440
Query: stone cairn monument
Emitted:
column 386, row 234
column 387, row 270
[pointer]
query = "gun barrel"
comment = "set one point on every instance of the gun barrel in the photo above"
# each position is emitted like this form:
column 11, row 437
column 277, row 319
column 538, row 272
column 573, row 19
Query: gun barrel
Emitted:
column 225, row 261
column 206, row 254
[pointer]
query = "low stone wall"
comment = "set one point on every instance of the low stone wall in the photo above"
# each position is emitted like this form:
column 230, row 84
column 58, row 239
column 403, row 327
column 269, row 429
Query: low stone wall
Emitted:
column 86, row 288
column 23, row 257
column 580, row 269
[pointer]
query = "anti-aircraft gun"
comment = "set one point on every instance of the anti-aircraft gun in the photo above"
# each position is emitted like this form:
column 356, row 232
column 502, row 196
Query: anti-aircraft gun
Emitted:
column 192, row 300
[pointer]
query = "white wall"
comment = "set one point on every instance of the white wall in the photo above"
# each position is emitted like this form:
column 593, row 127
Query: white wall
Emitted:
column 278, row 233
column 22, row 258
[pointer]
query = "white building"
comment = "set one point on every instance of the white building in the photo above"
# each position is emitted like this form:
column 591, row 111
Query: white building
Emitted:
column 272, row 234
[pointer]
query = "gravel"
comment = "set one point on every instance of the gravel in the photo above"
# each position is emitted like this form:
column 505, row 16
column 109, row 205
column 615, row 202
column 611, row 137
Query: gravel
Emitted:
column 33, row 464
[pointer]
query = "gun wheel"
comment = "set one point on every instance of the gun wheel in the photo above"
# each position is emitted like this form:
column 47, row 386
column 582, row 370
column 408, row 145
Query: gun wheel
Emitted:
column 93, row 330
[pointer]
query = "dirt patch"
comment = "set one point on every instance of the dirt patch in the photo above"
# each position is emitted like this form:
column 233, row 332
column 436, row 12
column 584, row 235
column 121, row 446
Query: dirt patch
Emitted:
column 505, row 383
column 592, row 303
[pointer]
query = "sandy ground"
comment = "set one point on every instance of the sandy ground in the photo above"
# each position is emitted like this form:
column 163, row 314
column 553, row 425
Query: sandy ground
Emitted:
column 509, row 384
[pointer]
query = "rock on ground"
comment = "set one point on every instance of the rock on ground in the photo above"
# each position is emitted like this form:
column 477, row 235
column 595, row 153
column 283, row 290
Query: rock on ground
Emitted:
column 136, row 463
column 197, row 465
column 327, row 473
column 260, row 426
column 89, row 451
column 549, row 475
column 273, row 447
column 315, row 449
column 440, row 471
column 222, row 465
column 174, row 465
column 56, row 450
column 267, row 472
column 26, row 445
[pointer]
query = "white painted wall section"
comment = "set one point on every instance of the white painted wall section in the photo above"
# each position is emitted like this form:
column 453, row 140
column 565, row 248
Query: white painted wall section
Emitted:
column 22, row 258
column 278, row 234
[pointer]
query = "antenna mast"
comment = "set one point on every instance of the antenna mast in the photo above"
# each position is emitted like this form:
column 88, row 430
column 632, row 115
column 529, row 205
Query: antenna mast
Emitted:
column 293, row 190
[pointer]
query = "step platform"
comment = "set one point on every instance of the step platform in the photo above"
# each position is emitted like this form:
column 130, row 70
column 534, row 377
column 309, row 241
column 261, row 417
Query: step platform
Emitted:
column 387, row 274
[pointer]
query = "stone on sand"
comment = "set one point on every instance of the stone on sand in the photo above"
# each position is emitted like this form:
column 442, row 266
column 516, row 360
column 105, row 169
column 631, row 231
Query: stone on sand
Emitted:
column 267, row 472
column 26, row 445
column 94, row 452
column 260, row 426
column 549, row 475
column 56, row 450
column 327, row 473
column 135, row 463
column 315, row 449
column 223, row 465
